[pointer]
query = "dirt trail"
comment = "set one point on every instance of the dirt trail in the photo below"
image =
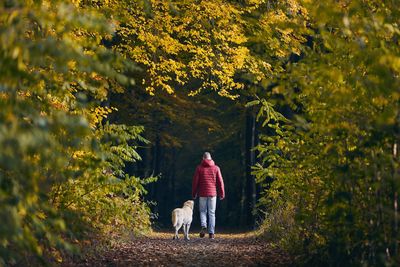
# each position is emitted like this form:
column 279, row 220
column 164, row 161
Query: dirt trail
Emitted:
column 160, row 250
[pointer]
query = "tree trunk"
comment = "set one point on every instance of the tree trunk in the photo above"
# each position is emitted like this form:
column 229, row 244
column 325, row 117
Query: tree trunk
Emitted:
column 156, row 168
column 250, row 160
column 144, row 168
column 171, row 182
column 395, row 205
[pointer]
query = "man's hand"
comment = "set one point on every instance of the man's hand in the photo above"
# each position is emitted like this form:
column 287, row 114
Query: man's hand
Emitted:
column 221, row 198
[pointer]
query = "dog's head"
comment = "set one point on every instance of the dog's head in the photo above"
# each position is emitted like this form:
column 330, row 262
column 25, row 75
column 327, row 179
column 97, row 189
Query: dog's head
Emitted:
column 189, row 203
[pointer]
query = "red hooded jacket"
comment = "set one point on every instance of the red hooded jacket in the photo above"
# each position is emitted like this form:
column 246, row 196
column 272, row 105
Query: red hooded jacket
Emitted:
column 207, row 180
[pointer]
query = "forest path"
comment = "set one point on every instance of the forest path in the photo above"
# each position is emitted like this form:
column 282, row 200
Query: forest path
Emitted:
column 158, row 249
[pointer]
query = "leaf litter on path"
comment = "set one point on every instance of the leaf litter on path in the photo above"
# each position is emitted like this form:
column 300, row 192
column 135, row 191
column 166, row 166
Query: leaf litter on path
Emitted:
column 158, row 249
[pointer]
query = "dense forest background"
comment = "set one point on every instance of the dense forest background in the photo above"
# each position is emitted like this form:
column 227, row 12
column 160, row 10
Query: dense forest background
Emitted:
column 177, row 145
column 107, row 106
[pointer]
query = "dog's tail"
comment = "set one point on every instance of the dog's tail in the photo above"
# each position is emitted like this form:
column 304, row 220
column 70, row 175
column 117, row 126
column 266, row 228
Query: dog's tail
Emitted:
column 174, row 218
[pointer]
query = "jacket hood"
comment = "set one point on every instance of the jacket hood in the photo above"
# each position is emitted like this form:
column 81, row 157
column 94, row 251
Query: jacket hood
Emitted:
column 207, row 163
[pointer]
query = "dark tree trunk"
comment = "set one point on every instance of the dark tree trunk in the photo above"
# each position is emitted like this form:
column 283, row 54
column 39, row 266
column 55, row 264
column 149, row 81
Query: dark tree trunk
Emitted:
column 258, row 186
column 171, row 184
column 144, row 169
column 250, row 160
column 156, row 169
column 395, row 206
column 157, row 156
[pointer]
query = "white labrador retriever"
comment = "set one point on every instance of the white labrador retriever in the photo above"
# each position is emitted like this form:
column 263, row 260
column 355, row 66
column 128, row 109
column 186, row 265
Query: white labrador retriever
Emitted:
column 183, row 216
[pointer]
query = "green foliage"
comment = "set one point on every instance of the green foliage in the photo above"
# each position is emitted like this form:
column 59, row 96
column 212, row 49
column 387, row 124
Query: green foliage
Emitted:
column 337, row 162
column 104, row 194
column 330, row 174
column 54, row 153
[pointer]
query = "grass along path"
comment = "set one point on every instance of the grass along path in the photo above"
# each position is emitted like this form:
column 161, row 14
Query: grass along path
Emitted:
column 158, row 249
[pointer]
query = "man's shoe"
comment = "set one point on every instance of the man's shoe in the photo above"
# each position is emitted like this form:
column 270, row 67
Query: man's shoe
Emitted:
column 203, row 232
column 211, row 236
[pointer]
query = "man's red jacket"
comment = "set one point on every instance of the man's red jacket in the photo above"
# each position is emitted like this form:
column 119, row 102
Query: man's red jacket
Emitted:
column 207, row 180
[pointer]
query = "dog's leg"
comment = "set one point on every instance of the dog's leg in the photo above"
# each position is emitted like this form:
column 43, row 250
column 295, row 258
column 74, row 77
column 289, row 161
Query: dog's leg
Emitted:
column 184, row 231
column 176, row 234
column 187, row 231
column 177, row 227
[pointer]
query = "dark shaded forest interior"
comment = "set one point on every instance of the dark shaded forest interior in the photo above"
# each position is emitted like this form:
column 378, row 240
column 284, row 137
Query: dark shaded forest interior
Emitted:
column 180, row 129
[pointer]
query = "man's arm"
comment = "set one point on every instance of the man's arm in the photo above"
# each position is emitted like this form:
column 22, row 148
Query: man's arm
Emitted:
column 195, row 183
column 220, row 185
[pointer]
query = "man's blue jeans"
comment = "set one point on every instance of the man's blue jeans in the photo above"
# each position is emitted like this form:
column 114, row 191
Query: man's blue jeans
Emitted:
column 208, row 205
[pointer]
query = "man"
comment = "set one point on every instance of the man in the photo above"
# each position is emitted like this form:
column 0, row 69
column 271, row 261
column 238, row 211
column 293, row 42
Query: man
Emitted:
column 207, row 185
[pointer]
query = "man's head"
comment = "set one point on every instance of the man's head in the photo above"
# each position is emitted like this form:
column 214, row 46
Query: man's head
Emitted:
column 207, row 155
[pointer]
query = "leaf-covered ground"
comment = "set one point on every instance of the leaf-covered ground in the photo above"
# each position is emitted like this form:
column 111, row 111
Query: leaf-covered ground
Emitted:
column 159, row 249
